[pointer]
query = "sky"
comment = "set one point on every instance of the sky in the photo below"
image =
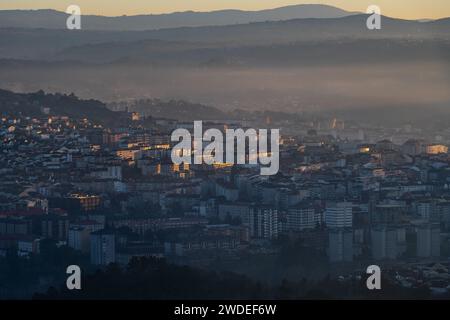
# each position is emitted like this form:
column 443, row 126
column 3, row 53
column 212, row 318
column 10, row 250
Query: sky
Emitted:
column 406, row 9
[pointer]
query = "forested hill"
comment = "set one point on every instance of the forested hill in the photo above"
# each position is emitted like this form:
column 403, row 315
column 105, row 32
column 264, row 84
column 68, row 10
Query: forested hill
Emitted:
column 34, row 104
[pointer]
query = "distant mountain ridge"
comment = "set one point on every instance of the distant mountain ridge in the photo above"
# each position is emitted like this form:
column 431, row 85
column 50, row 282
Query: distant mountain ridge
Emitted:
column 288, row 65
column 62, row 44
column 51, row 19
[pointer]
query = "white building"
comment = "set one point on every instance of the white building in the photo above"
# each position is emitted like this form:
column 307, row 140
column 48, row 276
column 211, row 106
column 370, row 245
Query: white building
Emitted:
column 264, row 223
column 301, row 218
column 339, row 215
column 103, row 248
column 27, row 247
column 78, row 239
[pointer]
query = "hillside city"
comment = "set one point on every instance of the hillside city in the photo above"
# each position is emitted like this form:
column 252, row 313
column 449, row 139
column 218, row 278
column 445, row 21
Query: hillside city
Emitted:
column 347, row 195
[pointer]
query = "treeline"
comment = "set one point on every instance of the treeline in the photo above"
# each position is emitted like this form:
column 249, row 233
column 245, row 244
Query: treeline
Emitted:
column 172, row 109
column 34, row 104
column 155, row 279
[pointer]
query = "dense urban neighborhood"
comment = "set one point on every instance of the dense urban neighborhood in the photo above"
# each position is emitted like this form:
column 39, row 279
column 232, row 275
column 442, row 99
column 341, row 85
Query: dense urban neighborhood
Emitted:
column 99, row 188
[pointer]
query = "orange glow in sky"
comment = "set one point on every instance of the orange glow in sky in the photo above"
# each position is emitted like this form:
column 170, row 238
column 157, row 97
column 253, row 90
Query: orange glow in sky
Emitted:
column 407, row 9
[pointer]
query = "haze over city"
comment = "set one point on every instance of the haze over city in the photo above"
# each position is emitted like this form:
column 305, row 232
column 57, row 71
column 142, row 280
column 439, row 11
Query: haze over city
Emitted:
column 162, row 150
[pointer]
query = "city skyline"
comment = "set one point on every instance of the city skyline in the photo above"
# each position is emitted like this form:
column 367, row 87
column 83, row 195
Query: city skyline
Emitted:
column 210, row 157
column 415, row 9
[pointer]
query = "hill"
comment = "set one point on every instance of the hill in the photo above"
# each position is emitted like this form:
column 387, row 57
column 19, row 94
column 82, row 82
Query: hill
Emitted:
column 31, row 104
column 51, row 19
column 50, row 44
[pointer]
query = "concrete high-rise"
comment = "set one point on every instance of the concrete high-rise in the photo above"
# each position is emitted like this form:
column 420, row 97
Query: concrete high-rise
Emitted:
column 340, row 245
column 103, row 248
column 339, row 215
